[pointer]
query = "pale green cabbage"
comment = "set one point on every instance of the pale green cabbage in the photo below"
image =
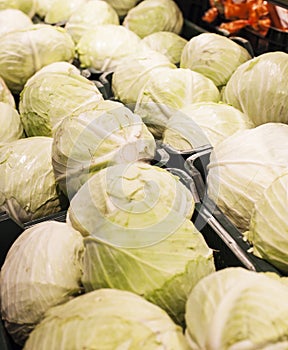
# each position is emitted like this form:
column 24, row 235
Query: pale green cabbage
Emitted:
column 268, row 226
column 168, row 90
column 5, row 94
column 131, row 205
column 103, row 134
column 243, row 165
column 105, row 47
column 237, row 309
column 168, row 43
column 134, row 71
column 11, row 126
column 122, row 6
column 59, row 12
column 89, row 16
column 259, row 88
column 24, row 52
column 107, row 319
column 42, row 269
column 13, row 19
column 151, row 16
column 203, row 123
column 27, row 187
column 42, row 7
column 26, row 6
column 214, row 56
column 163, row 273
column 51, row 94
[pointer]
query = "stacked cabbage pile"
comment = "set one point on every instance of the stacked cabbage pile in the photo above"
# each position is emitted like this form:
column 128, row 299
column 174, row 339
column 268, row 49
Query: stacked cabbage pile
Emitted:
column 128, row 267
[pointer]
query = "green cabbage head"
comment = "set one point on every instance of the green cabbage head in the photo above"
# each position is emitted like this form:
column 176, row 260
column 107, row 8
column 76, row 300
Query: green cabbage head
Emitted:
column 88, row 16
column 102, row 135
column 202, row 123
column 107, row 319
column 53, row 93
column 214, row 56
column 6, row 95
column 24, row 52
column 268, row 226
column 13, row 19
column 59, row 12
column 235, row 308
column 26, row 6
column 259, row 88
column 122, row 6
column 42, row 7
column 168, row 90
column 134, row 71
column 243, row 165
column 168, row 43
column 163, row 273
column 42, row 269
column 27, row 188
column 131, row 205
column 151, row 16
column 105, row 47
column 11, row 126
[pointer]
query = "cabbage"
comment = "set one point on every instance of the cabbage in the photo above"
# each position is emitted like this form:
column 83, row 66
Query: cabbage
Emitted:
column 129, row 205
column 168, row 43
column 24, row 52
column 214, row 56
column 103, row 134
column 51, row 94
column 122, row 6
column 268, row 225
column 59, row 12
column 27, row 187
column 171, row 89
column 259, row 88
column 243, row 166
column 151, row 16
column 163, row 273
column 41, row 269
column 134, row 71
column 235, row 308
column 26, row 6
column 11, row 126
column 42, row 7
column 104, row 47
column 89, row 16
column 203, row 123
column 107, row 319
column 13, row 19
column 5, row 94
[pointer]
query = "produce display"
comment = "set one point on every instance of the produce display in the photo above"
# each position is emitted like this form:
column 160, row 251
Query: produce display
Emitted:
column 106, row 110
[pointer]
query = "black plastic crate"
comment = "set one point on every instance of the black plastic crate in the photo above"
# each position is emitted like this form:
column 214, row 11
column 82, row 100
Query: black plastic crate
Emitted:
column 193, row 10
